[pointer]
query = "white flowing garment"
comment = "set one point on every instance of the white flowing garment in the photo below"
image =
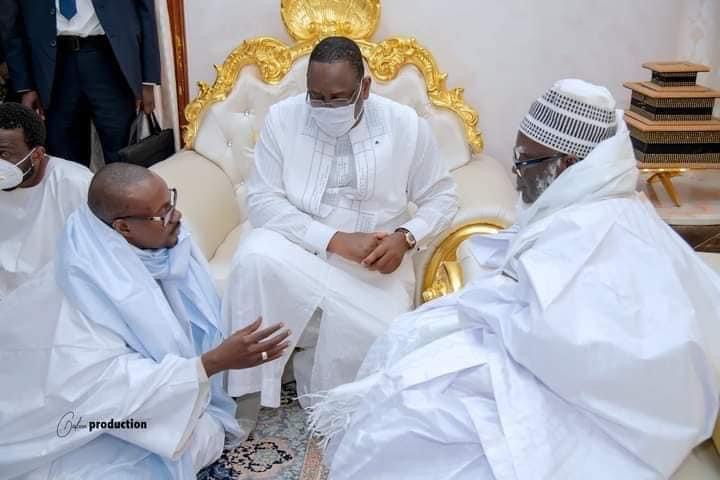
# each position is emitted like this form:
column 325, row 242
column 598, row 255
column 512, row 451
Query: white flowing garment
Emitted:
column 31, row 219
column 599, row 361
column 307, row 186
column 59, row 368
column 120, row 339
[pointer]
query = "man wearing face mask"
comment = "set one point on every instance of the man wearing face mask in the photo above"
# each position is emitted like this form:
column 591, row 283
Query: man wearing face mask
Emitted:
column 336, row 169
column 37, row 193
column 586, row 347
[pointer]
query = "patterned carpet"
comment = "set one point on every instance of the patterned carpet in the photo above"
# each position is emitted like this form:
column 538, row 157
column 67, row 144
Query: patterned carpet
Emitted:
column 278, row 449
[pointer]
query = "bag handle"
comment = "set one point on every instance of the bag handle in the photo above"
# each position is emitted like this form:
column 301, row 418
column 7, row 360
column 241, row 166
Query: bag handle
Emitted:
column 137, row 124
column 136, row 129
column 154, row 124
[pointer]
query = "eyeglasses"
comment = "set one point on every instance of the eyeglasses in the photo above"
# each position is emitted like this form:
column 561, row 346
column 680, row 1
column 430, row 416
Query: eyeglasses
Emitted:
column 336, row 102
column 518, row 164
column 165, row 217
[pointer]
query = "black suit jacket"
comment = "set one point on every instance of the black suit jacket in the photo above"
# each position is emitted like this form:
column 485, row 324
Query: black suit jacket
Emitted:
column 129, row 25
column 8, row 11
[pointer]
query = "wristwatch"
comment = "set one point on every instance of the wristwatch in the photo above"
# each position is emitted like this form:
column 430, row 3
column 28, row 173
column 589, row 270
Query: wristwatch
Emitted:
column 409, row 237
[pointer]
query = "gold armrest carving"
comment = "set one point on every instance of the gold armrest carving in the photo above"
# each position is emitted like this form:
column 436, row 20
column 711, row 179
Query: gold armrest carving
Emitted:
column 448, row 279
column 443, row 274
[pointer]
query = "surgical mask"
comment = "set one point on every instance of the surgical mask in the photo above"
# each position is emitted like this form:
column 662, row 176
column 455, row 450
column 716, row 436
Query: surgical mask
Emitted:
column 337, row 121
column 10, row 174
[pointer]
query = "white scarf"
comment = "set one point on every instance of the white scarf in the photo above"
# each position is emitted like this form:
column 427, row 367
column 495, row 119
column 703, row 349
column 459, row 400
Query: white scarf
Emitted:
column 610, row 170
column 151, row 298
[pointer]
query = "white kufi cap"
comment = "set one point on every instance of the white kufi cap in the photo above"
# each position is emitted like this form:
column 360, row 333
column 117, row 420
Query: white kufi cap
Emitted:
column 572, row 117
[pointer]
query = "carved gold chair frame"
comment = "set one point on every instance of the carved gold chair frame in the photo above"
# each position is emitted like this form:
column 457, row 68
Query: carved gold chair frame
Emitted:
column 308, row 22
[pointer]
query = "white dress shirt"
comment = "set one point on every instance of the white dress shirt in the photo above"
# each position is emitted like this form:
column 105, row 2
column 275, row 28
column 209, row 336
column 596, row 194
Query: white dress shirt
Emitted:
column 83, row 24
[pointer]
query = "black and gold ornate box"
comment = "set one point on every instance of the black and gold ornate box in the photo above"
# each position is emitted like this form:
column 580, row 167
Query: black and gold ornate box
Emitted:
column 669, row 144
column 675, row 74
column 673, row 94
column 671, row 123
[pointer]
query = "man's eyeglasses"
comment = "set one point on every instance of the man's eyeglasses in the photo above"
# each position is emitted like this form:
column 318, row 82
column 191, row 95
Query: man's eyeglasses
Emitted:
column 336, row 102
column 518, row 164
column 165, row 217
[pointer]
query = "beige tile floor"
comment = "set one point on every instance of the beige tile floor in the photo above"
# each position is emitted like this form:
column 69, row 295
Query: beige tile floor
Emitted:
column 702, row 464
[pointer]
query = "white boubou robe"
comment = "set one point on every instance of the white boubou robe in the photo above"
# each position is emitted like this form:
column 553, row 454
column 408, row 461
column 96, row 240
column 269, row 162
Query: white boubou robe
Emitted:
column 119, row 340
column 306, row 186
column 31, row 219
column 588, row 350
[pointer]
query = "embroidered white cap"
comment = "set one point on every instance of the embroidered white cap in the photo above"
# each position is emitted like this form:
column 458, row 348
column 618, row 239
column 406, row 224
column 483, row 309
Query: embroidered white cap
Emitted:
column 572, row 117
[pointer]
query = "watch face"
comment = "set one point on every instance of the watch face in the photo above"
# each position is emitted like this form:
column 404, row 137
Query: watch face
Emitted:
column 410, row 239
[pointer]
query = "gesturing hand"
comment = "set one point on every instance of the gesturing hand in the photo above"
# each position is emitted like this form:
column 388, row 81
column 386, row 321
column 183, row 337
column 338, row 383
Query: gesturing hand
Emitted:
column 388, row 255
column 355, row 246
column 244, row 348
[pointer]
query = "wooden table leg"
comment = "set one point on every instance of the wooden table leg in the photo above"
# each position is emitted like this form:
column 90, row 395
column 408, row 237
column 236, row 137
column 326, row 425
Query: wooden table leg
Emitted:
column 666, row 180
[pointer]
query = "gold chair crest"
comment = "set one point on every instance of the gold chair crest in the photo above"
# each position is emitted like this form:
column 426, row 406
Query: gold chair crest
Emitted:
column 308, row 22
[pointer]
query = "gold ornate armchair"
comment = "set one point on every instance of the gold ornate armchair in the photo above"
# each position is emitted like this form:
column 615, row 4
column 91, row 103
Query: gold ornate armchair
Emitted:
column 225, row 119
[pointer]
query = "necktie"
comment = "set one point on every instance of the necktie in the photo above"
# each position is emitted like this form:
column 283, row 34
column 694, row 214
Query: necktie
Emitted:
column 68, row 8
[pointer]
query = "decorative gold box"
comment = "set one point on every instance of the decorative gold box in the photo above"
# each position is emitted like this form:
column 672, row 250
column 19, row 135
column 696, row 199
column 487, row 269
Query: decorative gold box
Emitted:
column 671, row 123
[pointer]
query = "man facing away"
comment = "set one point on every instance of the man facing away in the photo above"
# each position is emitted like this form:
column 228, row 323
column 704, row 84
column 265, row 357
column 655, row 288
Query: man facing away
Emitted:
column 336, row 170
column 587, row 349
column 37, row 194
column 133, row 335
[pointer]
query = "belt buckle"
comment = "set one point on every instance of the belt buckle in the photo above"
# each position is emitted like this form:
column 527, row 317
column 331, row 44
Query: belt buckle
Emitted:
column 74, row 43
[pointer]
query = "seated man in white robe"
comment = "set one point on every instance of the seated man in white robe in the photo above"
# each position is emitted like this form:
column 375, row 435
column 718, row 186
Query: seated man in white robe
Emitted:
column 336, row 170
column 117, row 374
column 37, row 193
column 588, row 348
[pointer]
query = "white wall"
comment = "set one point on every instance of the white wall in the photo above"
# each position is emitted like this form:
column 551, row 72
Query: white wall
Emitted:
column 503, row 52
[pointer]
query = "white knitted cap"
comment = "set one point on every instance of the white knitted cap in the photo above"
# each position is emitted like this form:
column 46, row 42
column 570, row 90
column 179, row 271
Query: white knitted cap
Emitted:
column 572, row 117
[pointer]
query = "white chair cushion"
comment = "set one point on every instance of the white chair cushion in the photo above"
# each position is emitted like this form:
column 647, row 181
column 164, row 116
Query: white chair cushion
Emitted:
column 409, row 89
column 221, row 263
column 206, row 198
column 703, row 463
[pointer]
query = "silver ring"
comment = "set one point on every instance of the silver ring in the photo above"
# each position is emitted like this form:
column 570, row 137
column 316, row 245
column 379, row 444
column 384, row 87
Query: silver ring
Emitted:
column 264, row 356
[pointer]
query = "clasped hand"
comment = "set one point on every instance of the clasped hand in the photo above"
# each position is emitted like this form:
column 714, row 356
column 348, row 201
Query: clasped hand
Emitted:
column 378, row 251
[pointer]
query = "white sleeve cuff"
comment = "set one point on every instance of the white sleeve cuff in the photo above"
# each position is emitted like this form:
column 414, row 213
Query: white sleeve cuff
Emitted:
column 419, row 228
column 317, row 238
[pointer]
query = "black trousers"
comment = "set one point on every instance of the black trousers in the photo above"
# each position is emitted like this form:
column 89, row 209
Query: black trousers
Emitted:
column 88, row 85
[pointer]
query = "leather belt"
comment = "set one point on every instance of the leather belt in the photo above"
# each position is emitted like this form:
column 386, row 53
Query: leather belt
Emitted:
column 74, row 43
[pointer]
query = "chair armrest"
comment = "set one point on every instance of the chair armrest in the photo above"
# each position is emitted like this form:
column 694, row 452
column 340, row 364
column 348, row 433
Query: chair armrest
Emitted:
column 486, row 198
column 206, row 198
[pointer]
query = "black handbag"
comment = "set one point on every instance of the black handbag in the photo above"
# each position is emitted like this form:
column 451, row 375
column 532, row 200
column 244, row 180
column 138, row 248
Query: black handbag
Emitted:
column 157, row 146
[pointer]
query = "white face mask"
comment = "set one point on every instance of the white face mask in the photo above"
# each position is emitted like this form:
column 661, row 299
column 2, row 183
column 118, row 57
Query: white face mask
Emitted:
column 337, row 121
column 10, row 174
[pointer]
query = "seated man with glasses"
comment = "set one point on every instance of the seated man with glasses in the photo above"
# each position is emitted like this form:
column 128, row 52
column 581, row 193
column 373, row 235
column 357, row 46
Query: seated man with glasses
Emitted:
column 336, row 170
column 131, row 343
column 37, row 193
column 586, row 349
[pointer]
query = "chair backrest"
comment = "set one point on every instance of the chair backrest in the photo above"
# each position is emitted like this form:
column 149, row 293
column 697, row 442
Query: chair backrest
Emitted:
column 226, row 118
